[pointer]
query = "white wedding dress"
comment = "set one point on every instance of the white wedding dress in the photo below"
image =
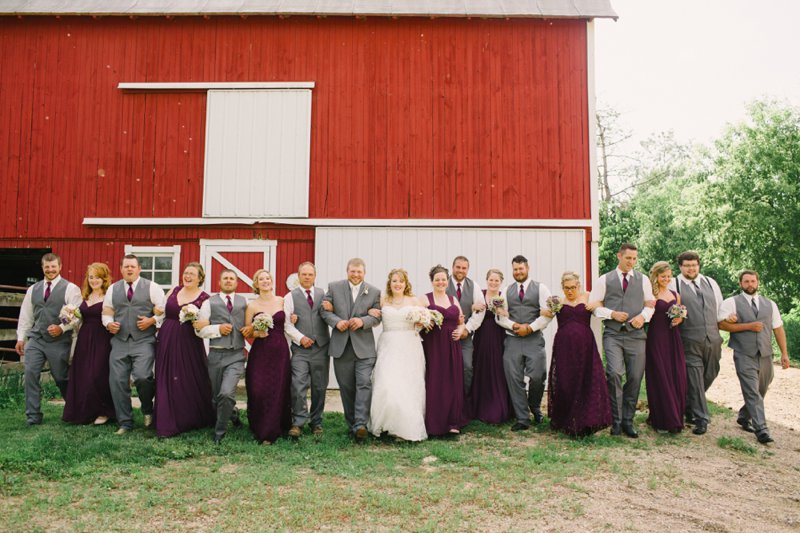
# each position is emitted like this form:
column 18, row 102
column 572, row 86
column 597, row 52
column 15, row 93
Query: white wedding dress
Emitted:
column 398, row 381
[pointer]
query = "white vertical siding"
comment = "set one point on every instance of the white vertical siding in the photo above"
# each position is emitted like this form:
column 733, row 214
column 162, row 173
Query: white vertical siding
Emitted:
column 257, row 153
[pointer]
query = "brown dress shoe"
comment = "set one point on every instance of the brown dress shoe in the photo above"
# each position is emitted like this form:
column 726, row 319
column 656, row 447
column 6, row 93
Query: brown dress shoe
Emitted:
column 295, row 432
column 148, row 421
column 361, row 433
column 317, row 431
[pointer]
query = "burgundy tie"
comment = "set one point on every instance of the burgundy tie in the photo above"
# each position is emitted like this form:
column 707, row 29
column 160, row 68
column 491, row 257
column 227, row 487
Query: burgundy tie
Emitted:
column 458, row 291
column 47, row 291
column 130, row 291
column 230, row 304
column 624, row 281
column 521, row 292
column 309, row 298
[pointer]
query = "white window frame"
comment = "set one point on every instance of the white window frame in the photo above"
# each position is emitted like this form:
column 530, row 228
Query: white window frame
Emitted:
column 160, row 251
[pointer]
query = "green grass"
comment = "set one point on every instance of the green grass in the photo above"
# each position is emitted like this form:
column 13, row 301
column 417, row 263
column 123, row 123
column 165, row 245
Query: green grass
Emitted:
column 736, row 444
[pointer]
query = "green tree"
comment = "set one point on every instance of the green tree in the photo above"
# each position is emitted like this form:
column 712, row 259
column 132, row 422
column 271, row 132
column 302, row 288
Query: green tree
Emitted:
column 752, row 207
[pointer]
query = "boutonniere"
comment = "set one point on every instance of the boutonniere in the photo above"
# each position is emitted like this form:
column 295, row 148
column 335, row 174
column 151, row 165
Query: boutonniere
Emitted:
column 366, row 291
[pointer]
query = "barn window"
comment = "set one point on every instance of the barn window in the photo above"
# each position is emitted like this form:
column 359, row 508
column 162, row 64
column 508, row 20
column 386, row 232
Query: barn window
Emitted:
column 257, row 153
column 160, row 264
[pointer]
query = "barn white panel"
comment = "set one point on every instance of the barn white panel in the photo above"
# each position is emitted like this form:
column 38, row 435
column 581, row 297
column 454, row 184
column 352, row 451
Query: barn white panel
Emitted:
column 257, row 153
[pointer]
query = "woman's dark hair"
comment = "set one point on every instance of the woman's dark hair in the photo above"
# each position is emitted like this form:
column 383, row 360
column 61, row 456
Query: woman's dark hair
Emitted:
column 435, row 270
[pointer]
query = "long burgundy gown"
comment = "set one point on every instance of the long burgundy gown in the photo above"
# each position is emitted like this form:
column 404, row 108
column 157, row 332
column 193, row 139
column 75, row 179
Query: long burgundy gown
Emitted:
column 577, row 394
column 183, row 388
column 444, row 374
column 489, row 396
column 88, row 392
column 268, row 379
column 665, row 371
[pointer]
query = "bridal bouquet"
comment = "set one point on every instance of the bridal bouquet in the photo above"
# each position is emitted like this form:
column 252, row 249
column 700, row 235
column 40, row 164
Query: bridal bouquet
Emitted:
column 554, row 304
column 262, row 322
column 437, row 318
column 497, row 302
column 189, row 313
column 677, row 311
column 419, row 315
column 69, row 315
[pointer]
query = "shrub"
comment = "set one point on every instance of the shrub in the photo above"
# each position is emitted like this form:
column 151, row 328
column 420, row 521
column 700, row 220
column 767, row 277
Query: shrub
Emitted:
column 791, row 324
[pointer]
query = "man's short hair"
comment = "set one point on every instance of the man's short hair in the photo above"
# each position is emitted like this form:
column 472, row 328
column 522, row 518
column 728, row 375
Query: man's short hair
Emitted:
column 744, row 273
column 689, row 255
column 627, row 246
column 226, row 271
column 50, row 257
column 129, row 256
column 520, row 260
column 308, row 264
column 460, row 258
column 356, row 262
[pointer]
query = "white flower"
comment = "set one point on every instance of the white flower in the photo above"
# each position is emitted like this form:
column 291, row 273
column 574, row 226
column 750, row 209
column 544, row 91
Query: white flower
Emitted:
column 366, row 291
column 189, row 313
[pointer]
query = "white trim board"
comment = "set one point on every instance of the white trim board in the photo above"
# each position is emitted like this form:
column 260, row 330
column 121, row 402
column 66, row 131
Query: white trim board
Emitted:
column 204, row 86
column 349, row 222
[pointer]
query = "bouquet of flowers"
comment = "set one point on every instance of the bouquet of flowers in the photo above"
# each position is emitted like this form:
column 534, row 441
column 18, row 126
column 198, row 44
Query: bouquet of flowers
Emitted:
column 437, row 318
column 496, row 302
column 419, row 315
column 677, row 311
column 69, row 315
column 262, row 322
column 554, row 304
column 189, row 313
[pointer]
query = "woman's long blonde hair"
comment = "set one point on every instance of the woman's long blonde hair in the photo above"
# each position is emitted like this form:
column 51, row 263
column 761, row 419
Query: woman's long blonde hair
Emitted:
column 655, row 271
column 403, row 274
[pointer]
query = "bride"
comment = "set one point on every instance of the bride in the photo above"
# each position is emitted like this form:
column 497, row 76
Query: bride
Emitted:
column 398, row 382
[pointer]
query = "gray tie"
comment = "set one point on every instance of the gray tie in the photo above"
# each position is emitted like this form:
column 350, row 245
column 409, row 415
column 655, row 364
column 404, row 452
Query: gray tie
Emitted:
column 698, row 292
column 754, row 306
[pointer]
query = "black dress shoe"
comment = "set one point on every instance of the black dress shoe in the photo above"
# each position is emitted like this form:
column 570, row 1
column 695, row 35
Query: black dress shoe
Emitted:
column 218, row 438
column 519, row 426
column 616, row 430
column 746, row 426
column 630, row 431
column 236, row 422
column 538, row 418
column 763, row 437
column 700, row 427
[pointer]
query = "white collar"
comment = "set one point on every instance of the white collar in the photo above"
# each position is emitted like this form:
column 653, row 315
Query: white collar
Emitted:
column 54, row 282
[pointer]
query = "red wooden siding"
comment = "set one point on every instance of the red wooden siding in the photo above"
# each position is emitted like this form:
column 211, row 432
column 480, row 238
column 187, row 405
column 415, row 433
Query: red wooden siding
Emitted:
column 419, row 118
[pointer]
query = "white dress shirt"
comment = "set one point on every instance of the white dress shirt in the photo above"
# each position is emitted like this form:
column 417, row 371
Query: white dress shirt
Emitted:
column 72, row 295
column 699, row 279
column 598, row 294
column 476, row 318
column 157, row 298
column 538, row 324
column 288, row 309
column 212, row 330
column 728, row 308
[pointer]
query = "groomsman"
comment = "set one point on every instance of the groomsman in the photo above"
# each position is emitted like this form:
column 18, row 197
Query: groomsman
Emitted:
column 221, row 320
column 702, row 342
column 128, row 311
column 473, row 307
column 628, row 303
column 310, row 361
column 752, row 319
column 524, row 353
column 352, row 344
column 41, row 336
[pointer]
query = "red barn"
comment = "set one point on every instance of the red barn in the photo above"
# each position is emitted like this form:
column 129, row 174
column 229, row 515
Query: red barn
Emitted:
column 260, row 133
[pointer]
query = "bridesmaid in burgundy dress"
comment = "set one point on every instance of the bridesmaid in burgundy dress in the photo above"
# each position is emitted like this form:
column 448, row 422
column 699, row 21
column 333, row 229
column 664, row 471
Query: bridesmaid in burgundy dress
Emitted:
column 665, row 363
column 444, row 363
column 183, row 388
column 88, row 393
column 268, row 373
column 577, row 394
column 490, row 401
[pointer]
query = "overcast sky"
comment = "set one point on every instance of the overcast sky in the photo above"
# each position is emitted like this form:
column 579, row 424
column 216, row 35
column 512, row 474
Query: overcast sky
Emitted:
column 692, row 65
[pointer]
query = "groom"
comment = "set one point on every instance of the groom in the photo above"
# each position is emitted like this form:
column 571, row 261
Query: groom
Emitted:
column 352, row 344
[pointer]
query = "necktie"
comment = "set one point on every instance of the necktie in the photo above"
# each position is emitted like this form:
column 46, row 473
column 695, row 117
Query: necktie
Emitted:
column 754, row 306
column 47, row 291
column 355, row 293
column 697, row 291
column 309, row 298
column 130, row 291
column 458, row 291
column 624, row 281
column 521, row 292
column 230, row 304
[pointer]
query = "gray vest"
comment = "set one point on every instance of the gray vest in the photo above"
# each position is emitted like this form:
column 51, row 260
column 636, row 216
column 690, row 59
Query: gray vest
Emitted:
column 127, row 313
column 526, row 311
column 46, row 313
column 467, row 292
column 221, row 315
column 750, row 342
column 701, row 319
column 631, row 301
column 309, row 321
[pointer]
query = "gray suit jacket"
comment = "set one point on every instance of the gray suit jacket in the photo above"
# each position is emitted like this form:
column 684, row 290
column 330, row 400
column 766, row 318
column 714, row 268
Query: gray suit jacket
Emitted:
column 344, row 309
